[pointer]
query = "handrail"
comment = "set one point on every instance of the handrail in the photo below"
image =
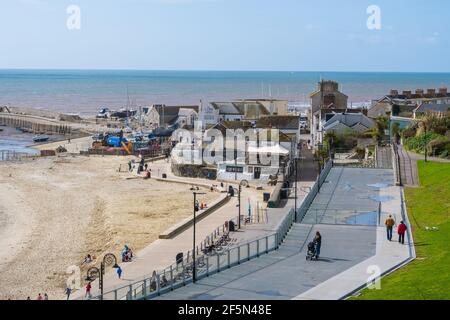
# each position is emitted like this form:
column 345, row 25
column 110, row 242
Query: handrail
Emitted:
column 179, row 274
column 315, row 189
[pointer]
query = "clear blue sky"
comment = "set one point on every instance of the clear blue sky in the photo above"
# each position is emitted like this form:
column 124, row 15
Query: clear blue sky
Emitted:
column 297, row 35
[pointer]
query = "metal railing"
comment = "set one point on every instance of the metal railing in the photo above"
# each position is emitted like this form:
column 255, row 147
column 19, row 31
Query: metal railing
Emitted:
column 180, row 274
column 369, row 217
column 11, row 155
column 315, row 189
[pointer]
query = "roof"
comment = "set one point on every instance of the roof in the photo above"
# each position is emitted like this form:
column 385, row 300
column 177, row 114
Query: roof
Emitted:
column 351, row 120
column 279, row 122
column 226, row 108
column 433, row 107
column 186, row 112
column 169, row 114
column 251, row 109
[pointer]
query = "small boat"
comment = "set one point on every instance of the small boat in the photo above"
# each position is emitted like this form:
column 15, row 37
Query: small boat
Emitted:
column 40, row 139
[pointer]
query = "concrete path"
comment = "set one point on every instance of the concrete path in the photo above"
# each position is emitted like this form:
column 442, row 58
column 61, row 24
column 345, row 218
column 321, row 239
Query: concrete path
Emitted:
column 389, row 256
column 351, row 254
column 285, row 273
column 416, row 157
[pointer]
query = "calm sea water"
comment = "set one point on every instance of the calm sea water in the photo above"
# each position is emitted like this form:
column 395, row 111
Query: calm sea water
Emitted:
column 86, row 91
column 14, row 140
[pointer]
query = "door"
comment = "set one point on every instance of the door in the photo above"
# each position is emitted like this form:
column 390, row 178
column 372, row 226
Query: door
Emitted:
column 257, row 173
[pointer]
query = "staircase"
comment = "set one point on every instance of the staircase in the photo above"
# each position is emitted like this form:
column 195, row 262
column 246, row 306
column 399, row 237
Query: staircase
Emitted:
column 295, row 240
column 384, row 158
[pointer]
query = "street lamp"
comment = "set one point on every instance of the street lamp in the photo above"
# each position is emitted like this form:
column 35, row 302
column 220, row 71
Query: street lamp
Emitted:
column 241, row 183
column 196, row 208
column 93, row 273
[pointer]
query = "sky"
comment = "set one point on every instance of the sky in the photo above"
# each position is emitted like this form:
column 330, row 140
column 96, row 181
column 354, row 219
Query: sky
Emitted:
column 269, row 35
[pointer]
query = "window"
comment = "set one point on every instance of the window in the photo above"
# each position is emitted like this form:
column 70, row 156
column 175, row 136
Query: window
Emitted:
column 234, row 169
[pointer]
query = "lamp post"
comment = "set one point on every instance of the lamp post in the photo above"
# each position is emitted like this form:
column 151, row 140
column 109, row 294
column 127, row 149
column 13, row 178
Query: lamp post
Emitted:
column 425, row 141
column 94, row 273
column 295, row 183
column 196, row 208
column 241, row 183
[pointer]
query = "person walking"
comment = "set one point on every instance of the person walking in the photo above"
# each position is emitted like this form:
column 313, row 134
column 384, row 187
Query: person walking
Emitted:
column 119, row 272
column 401, row 230
column 318, row 243
column 389, row 223
column 88, row 290
column 68, row 292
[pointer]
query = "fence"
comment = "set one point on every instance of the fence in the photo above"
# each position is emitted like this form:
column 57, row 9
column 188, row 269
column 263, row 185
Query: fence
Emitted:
column 314, row 191
column 370, row 217
column 181, row 273
column 11, row 155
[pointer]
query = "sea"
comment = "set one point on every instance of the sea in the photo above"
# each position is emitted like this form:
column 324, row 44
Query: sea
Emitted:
column 84, row 92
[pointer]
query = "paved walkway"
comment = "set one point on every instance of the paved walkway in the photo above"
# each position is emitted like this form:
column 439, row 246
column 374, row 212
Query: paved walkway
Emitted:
column 351, row 255
column 285, row 273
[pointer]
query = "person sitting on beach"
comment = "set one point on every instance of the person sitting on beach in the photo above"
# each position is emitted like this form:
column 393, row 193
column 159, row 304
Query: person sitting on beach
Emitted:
column 127, row 254
column 87, row 259
column 39, row 297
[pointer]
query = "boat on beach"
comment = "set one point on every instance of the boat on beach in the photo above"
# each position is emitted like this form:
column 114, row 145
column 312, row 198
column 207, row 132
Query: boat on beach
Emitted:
column 40, row 138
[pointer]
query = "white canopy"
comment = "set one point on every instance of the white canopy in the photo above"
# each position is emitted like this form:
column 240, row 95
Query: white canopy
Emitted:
column 274, row 149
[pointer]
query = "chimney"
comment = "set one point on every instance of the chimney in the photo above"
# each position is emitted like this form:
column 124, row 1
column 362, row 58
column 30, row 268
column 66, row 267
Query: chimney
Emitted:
column 431, row 92
column 394, row 93
column 419, row 92
column 443, row 91
column 407, row 94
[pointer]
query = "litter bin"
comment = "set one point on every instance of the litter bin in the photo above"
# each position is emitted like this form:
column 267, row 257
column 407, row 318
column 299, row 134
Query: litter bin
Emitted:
column 164, row 176
column 266, row 196
column 231, row 191
column 231, row 226
column 179, row 258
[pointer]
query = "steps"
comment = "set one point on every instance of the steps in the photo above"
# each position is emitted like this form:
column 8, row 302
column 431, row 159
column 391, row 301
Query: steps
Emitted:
column 384, row 158
column 295, row 240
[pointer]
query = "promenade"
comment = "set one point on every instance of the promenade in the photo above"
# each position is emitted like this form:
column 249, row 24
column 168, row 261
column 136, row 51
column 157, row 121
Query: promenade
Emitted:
column 161, row 253
column 353, row 254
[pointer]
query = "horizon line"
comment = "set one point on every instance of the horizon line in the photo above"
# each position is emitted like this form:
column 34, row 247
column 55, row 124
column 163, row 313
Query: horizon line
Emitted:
column 218, row 70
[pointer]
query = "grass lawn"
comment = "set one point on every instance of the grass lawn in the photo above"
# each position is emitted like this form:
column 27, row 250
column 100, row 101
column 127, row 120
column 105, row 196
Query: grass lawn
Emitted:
column 427, row 277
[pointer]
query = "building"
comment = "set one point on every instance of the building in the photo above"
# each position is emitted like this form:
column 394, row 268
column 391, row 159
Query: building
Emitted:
column 424, row 108
column 160, row 115
column 240, row 110
column 341, row 123
column 327, row 99
column 403, row 104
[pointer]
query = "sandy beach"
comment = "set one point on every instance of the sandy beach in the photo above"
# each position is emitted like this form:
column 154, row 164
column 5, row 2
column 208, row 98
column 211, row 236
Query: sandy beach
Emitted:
column 55, row 211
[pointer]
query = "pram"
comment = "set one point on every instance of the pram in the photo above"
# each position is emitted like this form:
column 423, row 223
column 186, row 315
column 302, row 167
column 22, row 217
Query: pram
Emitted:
column 311, row 253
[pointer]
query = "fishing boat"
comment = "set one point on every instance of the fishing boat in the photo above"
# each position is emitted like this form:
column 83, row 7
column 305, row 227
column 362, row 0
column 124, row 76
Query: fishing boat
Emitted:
column 40, row 138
